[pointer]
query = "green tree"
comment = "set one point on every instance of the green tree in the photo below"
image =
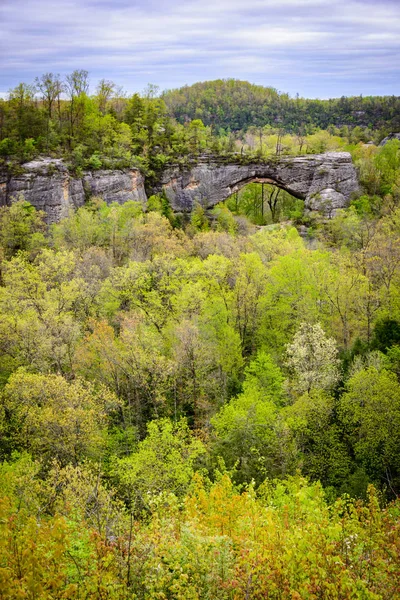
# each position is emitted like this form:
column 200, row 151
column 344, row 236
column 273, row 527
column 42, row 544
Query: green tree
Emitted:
column 324, row 455
column 249, row 433
column 54, row 419
column 163, row 463
column 370, row 411
column 21, row 228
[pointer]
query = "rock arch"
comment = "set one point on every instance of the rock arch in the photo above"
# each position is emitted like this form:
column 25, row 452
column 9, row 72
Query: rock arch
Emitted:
column 325, row 182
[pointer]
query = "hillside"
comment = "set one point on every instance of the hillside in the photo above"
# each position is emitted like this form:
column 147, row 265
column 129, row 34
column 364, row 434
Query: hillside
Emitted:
column 237, row 105
column 59, row 118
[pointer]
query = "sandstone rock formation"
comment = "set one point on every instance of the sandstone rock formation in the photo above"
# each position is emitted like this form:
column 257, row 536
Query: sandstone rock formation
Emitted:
column 325, row 181
column 389, row 138
column 48, row 185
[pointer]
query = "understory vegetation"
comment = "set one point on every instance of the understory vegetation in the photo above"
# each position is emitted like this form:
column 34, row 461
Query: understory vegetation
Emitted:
column 199, row 410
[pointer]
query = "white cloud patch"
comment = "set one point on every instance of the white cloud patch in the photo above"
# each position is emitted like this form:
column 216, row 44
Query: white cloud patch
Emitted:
column 312, row 46
column 286, row 37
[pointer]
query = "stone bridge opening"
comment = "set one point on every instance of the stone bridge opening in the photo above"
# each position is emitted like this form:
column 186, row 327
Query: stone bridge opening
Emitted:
column 265, row 181
column 264, row 201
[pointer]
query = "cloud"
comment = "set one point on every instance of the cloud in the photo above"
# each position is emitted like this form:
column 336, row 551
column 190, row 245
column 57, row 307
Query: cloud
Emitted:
column 286, row 37
column 316, row 47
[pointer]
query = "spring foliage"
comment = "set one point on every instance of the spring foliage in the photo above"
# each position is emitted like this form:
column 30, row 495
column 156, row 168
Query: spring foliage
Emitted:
column 205, row 411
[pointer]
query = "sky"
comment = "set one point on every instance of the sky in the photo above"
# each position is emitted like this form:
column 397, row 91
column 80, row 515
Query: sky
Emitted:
column 316, row 48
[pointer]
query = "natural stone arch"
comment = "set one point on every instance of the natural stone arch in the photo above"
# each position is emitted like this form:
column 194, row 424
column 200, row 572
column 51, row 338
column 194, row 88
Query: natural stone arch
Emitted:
column 257, row 179
column 325, row 182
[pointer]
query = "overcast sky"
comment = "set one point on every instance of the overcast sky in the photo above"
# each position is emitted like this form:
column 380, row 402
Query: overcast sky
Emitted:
column 317, row 48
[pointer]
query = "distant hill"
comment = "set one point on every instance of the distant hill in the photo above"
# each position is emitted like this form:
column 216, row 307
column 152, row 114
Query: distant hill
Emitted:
column 236, row 105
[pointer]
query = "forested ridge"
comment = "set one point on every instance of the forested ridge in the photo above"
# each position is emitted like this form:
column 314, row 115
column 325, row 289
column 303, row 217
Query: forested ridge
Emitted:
column 108, row 128
column 199, row 409
column 238, row 105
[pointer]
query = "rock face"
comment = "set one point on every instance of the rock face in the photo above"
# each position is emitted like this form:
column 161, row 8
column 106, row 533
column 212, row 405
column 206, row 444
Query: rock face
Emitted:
column 48, row 185
column 389, row 138
column 325, row 181
column 115, row 186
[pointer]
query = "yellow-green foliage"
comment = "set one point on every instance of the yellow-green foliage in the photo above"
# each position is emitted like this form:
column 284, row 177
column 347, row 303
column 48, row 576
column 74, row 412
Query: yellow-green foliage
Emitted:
column 282, row 542
column 164, row 391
